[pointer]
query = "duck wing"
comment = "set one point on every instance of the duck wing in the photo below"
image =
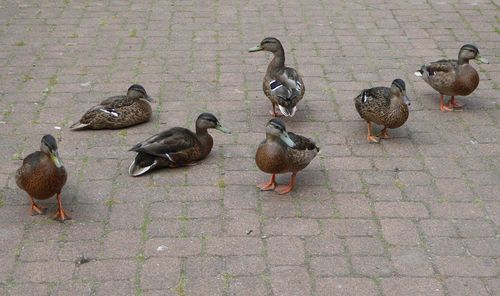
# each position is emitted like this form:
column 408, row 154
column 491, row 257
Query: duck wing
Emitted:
column 171, row 141
column 288, row 87
column 302, row 143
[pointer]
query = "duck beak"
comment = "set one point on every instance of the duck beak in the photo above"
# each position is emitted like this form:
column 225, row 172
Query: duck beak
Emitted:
column 406, row 100
column 256, row 48
column 222, row 129
column 54, row 155
column 284, row 136
column 150, row 99
column 481, row 60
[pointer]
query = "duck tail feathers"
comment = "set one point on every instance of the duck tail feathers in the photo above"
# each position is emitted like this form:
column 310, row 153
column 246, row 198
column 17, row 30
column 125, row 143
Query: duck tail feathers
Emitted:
column 78, row 126
column 135, row 170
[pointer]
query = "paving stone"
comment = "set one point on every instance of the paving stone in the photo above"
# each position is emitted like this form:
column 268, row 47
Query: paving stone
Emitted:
column 400, row 232
column 329, row 265
column 172, row 247
column 467, row 286
column 294, row 254
column 290, row 281
column 371, row 266
column 116, row 287
column 112, row 269
column 411, row 262
column 411, row 286
column 161, row 273
column 36, row 272
column 345, row 286
column 244, row 265
column 248, row 286
column 466, row 266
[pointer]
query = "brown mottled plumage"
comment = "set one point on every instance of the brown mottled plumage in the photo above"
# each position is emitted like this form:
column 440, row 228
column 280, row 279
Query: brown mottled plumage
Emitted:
column 42, row 175
column 282, row 85
column 118, row 111
column 175, row 147
column 283, row 152
column 384, row 106
column 453, row 77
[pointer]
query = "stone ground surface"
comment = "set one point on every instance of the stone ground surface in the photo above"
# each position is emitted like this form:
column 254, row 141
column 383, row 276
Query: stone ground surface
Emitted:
column 415, row 215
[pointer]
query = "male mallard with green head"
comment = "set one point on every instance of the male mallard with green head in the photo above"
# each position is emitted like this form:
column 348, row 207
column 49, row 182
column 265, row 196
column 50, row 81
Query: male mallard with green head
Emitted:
column 282, row 85
column 453, row 77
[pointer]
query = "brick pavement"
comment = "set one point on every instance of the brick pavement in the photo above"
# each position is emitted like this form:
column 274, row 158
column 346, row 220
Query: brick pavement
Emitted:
column 415, row 215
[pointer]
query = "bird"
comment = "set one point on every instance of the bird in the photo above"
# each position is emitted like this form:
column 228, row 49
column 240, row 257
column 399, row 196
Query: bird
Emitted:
column 453, row 77
column 282, row 85
column 385, row 106
column 283, row 152
column 118, row 111
column 176, row 146
column 43, row 175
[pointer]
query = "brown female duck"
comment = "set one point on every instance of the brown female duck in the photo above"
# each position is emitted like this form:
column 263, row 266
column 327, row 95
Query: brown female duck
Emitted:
column 42, row 175
column 175, row 147
column 453, row 77
column 118, row 111
column 283, row 152
column 282, row 85
column 384, row 106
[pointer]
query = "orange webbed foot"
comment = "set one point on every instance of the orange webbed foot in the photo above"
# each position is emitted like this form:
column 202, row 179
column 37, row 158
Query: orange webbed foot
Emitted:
column 269, row 185
column 373, row 139
column 61, row 216
column 283, row 189
column 445, row 108
column 385, row 134
column 37, row 209
column 454, row 104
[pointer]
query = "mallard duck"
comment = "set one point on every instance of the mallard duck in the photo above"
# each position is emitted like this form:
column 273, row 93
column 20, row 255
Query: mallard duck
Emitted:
column 175, row 147
column 453, row 77
column 385, row 106
column 42, row 175
column 282, row 85
column 118, row 111
column 283, row 152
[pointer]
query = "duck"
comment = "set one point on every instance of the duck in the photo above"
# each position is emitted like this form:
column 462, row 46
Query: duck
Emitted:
column 283, row 152
column 282, row 85
column 453, row 77
column 118, row 111
column 42, row 175
column 385, row 106
column 176, row 146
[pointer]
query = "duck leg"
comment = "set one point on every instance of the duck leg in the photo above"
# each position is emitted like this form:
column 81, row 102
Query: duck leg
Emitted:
column 454, row 104
column 273, row 111
column 370, row 137
column 269, row 185
column 282, row 189
column 442, row 106
column 36, row 209
column 384, row 134
column 60, row 215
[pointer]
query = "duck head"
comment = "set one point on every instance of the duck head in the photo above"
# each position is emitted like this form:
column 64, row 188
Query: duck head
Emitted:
column 49, row 146
column 276, row 128
column 137, row 91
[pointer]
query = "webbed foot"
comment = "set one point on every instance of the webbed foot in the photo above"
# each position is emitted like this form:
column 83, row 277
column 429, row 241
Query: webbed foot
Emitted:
column 269, row 185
